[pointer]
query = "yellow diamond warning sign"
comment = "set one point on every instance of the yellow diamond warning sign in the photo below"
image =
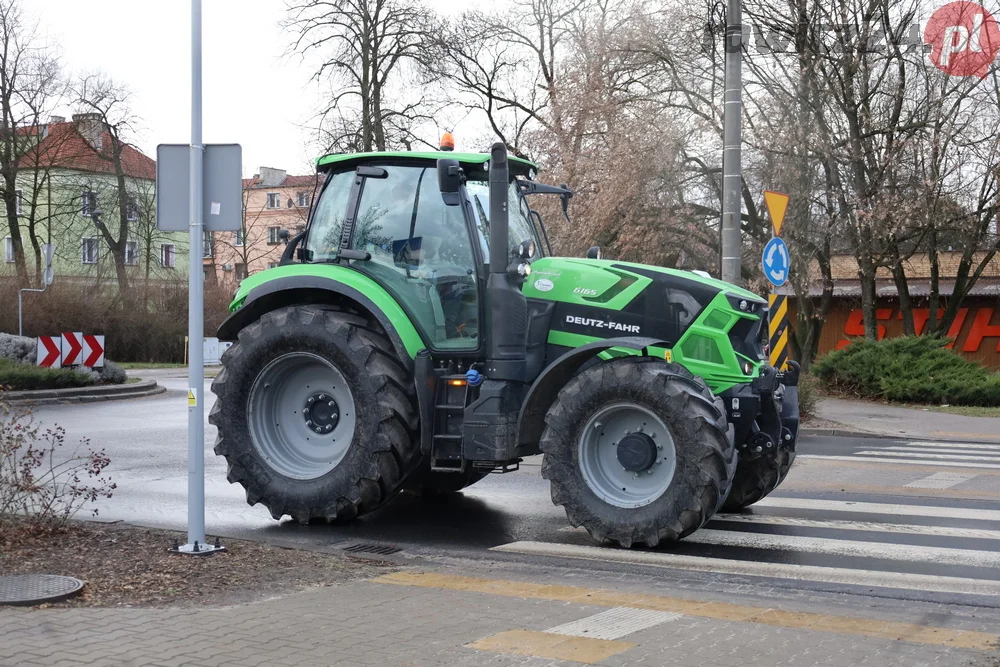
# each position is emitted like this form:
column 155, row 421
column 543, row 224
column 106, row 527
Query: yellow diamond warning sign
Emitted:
column 777, row 204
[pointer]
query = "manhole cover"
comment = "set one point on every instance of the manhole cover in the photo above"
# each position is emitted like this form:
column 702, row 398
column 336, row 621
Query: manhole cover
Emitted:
column 380, row 549
column 29, row 589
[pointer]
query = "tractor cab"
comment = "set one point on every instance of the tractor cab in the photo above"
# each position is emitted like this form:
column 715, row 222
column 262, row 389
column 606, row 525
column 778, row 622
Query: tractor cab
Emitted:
column 385, row 215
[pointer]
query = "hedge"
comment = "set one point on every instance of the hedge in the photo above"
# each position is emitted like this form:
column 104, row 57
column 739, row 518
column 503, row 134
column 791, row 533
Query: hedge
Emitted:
column 910, row 369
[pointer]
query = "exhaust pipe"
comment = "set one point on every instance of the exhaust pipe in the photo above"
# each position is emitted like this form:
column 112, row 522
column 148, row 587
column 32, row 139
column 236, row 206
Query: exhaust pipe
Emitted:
column 508, row 309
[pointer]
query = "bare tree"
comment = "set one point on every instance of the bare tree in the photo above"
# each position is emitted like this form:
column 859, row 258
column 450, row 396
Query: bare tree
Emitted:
column 30, row 83
column 109, row 103
column 366, row 49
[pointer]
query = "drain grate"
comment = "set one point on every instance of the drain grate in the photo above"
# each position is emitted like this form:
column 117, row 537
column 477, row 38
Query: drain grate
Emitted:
column 380, row 549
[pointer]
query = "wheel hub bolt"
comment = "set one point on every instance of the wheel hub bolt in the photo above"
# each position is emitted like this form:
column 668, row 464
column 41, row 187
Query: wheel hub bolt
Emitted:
column 649, row 472
column 310, row 400
column 309, row 422
column 759, row 449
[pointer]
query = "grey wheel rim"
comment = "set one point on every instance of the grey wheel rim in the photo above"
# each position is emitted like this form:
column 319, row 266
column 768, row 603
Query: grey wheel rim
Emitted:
column 601, row 467
column 287, row 427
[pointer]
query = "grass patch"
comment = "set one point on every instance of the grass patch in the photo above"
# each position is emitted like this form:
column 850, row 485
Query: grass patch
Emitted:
column 911, row 369
column 15, row 376
column 966, row 410
column 141, row 365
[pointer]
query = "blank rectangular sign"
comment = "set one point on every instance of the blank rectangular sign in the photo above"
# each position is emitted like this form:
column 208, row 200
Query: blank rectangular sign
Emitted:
column 222, row 197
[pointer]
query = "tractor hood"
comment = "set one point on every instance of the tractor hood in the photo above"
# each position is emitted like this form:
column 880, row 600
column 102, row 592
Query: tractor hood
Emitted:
column 612, row 284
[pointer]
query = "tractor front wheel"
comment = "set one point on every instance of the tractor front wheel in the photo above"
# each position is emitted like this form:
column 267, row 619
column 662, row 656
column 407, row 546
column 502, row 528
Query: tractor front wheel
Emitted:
column 638, row 451
column 316, row 415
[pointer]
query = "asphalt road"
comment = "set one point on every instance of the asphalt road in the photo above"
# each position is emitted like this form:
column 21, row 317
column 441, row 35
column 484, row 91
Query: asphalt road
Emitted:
column 896, row 518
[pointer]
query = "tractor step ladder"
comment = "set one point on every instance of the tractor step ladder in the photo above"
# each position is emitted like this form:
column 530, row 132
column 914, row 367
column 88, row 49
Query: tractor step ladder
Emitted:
column 449, row 415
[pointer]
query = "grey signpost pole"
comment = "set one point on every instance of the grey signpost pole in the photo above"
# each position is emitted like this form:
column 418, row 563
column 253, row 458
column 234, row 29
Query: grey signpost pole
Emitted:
column 196, row 315
column 732, row 175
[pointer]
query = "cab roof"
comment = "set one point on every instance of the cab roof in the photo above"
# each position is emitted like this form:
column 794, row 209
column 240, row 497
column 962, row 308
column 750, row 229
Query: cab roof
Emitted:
column 469, row 161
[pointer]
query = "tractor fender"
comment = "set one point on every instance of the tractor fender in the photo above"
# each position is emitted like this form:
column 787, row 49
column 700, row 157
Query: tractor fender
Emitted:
column 542, row 394
column 308, row 289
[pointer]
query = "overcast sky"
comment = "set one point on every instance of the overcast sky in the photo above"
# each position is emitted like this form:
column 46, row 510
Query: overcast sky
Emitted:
column 254, row 94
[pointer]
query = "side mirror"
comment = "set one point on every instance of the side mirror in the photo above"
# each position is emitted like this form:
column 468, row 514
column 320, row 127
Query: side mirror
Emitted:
column 564, row 199
column 449, row 181
column 284, row 235
column 595, row 253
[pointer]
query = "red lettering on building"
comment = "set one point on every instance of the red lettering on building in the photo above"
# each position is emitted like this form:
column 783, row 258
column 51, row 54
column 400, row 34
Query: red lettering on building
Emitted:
column 981, row 328
column 921, row 315
column 855, row 325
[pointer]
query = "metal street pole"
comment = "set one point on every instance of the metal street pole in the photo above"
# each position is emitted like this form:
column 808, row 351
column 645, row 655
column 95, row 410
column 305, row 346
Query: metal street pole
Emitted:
column 196, row 315
column 732, row 174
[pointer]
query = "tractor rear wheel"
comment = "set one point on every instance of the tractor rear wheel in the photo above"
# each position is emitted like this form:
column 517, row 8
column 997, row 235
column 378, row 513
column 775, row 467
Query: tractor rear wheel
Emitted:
column 316, row 415
column 638, row 451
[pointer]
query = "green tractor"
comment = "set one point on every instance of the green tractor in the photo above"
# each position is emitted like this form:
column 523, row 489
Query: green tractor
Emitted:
column 418, row 335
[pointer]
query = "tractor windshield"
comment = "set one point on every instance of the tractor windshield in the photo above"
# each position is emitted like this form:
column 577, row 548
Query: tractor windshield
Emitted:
column 522, row 226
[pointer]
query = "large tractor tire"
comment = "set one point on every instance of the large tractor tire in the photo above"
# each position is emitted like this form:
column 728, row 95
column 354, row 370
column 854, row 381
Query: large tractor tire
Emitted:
column 757, row 478
column 638, row 451
column 316, row 415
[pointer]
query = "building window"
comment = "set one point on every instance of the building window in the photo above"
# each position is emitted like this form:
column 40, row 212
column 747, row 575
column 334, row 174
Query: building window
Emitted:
column 8, row 250
column 132, row 209
column 90, row 248
column 167, row 253
column 302, row 199
column 132, row 253
column 273, row 237
column 89, row 205
column 239, row 238
column 18, row 202
column 241, row 271
column 273, row 200
column 209, row 245
column 272, row 265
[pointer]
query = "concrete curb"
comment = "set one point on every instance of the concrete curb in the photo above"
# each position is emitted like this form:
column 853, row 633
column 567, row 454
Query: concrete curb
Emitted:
column 847, row 433
column 111, row 392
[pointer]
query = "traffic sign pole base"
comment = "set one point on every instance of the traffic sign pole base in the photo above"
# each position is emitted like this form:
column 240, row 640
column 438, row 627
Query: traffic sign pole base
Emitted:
column 197, row 549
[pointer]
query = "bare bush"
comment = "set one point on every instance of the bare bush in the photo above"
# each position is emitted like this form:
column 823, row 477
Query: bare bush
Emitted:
column 42, row 483
column 152, row 330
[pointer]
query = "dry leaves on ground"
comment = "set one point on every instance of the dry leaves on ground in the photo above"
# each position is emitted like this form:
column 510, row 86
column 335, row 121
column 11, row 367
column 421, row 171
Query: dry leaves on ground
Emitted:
column 129, row 566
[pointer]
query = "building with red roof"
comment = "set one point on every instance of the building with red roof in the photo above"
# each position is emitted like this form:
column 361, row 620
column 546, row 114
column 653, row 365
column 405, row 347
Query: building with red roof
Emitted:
column 67, row 172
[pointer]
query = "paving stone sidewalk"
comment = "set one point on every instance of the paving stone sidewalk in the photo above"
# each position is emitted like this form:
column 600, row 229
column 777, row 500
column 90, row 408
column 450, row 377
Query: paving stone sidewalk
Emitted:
column 367, row 623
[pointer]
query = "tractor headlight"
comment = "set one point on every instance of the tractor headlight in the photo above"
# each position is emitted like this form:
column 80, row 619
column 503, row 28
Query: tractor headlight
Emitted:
column 523, row 269
column 526, row 250
column 747, row 368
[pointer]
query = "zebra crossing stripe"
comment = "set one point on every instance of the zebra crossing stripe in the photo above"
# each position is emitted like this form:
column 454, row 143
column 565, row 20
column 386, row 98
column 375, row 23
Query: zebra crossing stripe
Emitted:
column 886, row 459
column 862, row 526
column 614, row 623
column 941, row 450
column 924, row 455
column 835, row 547
column 880, row 508
column 948, row 445
column 941, row 480
column 816, row 573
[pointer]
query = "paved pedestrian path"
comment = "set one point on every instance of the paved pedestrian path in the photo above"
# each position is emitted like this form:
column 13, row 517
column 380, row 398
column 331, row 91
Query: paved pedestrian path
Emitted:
column 420, row 617
column 899, row 422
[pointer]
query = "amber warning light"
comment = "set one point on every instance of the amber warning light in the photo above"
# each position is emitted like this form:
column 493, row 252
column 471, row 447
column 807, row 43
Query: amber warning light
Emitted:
column 447, row 142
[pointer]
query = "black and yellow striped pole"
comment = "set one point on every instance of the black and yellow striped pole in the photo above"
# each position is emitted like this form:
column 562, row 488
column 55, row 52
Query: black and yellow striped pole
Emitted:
column 778, row 330
column 777, row 204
